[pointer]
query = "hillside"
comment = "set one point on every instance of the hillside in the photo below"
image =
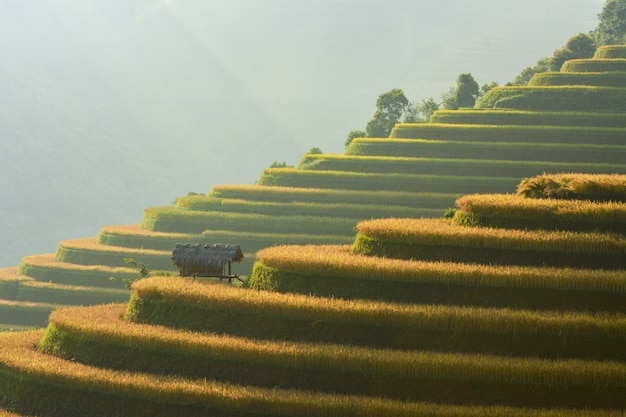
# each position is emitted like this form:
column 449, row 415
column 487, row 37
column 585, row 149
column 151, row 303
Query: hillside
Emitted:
column 417, row 172
column 110, row 107
column 511, row 305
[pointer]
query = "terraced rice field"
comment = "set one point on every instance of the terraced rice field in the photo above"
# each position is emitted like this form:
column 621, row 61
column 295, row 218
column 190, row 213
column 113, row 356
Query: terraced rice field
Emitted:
column 486, row 313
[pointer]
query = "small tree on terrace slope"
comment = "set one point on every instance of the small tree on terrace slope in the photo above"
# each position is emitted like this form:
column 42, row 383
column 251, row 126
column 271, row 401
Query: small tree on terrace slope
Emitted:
column 463, row 95
column 420, row 112
column 354, row 134
column 389, row 109
column 579, row 46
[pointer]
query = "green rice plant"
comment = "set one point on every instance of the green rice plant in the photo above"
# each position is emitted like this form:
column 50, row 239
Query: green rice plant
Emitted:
column 348, row 210
column 526, row 117
column 329, row 195
column 45, row 269
column 598, row 79
column 336, row 272
column 87, row 335
column 610, row 51
column 25, row 313
column 556, row 98
column 387, row 182
column 89, row 252
column 447, row 166
column 511, row 211
column 43, row 292
column 171, row 219
column 516, row 133
column 439, row 239
column 575, row 186
column 505, row 151
column 133, row 236
column 10, row 281
column 595, row 65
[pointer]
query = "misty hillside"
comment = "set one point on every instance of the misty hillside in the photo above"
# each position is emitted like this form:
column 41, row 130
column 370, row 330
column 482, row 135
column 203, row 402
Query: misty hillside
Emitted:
column 108, row 107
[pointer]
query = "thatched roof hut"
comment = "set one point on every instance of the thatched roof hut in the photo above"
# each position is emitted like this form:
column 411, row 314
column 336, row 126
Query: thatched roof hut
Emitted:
column 205, row 259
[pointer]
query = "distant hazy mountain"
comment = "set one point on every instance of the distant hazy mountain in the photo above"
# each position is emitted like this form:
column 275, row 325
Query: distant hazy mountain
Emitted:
column 111, row 106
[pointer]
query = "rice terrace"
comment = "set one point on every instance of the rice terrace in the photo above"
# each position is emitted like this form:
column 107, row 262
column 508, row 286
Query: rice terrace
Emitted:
column 470, row 265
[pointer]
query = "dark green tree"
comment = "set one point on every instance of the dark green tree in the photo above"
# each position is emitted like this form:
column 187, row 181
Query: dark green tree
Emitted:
column 611, row 29
column 528, row 72
column 485, row 88
column 281, row 164
column 389, row 109
column 428, row 107
column 420, row 112
column 412, row 113
column 579, row 46
column 354, row 134
column 463, row 95
column 448, row 99
column 466, row 90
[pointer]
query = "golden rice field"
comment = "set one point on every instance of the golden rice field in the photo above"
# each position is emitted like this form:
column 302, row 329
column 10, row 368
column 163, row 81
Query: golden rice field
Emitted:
column 514, row 211
column 442, row 232
column 103, row 323
column 10, row 274
column 143, row 394
column 304, row 307
column 341, row 261
column 512, row 205
column 387, row 326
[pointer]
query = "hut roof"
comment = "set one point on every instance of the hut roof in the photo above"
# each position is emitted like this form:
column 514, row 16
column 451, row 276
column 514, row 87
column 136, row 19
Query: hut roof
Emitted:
column 205, row 255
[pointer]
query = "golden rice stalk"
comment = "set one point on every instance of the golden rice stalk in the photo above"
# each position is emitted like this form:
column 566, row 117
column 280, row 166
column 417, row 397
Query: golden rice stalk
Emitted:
column 443, row 232
column 18, row 357
column 104, row 325
column 508, row 205
column 267, row 303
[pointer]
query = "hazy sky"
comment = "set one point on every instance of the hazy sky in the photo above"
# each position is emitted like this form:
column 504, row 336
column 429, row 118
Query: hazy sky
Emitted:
column 110, row 106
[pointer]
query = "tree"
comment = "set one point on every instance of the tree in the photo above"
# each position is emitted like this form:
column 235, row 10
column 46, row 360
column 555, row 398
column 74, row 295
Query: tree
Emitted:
column 485, row 88
column 463, row 95
column 611, row 29
column 282, row 164
column 466, row 90
column 420, row 112
column 428, row 107
column 412, row 113
column 448, row 100
column 354, row 134
column 528, row 72
column 315, row 150
column 389, row 108
column 579, row 46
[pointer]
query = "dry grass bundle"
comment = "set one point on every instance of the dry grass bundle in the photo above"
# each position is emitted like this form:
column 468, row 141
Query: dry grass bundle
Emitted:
column 595, row 187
